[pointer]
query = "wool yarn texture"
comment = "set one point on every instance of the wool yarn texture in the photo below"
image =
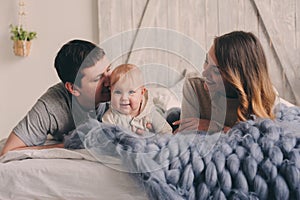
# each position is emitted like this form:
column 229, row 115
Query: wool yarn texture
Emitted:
column 257, row 159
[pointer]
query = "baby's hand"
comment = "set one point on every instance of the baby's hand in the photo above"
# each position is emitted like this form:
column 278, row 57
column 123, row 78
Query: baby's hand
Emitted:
column 141, row 132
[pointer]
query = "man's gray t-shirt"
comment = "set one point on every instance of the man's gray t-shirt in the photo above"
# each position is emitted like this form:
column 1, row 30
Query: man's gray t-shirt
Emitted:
column 53, row 114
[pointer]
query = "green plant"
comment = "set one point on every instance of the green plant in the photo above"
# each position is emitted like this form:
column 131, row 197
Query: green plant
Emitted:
column 18, row 33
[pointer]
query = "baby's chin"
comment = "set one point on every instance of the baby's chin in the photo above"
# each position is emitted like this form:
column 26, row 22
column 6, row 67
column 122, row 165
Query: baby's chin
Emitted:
column 124, row 112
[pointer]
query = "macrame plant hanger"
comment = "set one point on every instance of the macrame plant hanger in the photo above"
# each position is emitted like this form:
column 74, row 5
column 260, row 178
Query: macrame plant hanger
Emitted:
column 22, row 23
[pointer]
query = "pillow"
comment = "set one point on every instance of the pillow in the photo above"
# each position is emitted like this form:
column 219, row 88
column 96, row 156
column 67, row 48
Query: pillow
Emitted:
column 164, row 98
column 163, row 76
column 167, row 97
column 281, row 100
column 177, row 89
column 164, row 85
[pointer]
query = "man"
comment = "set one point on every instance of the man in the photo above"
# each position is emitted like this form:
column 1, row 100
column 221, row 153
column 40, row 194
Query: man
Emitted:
column 84, row 71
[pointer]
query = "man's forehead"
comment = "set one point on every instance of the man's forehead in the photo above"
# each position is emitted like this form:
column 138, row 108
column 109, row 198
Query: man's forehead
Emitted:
column 104, row 62
column 99, row 68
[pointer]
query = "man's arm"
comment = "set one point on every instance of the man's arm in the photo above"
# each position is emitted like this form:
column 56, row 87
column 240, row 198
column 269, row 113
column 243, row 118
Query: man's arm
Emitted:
column 15, row 143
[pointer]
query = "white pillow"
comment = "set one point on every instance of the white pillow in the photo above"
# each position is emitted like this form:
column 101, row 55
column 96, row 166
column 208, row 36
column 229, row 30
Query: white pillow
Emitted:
column 163, row 97
column 163, row 76
column 177, row 89
column 165, row 86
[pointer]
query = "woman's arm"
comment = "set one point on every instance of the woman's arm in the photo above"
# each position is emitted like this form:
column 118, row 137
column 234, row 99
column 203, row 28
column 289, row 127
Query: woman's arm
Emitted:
column 188, row 124
column 189, row 105
column 196, row 108
column 200, row 124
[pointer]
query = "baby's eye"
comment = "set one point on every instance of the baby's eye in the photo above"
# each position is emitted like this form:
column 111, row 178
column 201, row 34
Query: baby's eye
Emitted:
column 131, row 92
column 117, row 92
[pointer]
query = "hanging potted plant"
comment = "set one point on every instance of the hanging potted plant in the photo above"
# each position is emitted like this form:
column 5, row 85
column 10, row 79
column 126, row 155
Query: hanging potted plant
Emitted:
column 22, row 40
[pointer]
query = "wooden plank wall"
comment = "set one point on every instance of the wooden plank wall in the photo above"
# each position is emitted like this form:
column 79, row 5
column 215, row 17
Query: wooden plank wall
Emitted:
column 276, row 23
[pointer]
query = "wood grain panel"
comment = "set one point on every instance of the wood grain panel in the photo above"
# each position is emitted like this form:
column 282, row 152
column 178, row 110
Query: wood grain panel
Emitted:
column 276, row 23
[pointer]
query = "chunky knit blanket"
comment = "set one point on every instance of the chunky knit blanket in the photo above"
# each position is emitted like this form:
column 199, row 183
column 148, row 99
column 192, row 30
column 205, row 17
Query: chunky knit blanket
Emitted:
column 257, row 159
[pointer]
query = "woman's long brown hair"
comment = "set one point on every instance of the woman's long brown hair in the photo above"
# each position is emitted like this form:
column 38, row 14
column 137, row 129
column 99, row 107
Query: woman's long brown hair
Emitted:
column 243, row 64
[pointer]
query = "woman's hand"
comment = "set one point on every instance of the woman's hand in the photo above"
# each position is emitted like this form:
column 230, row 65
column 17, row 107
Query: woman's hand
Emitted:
column 199, row 124
column 192, row 124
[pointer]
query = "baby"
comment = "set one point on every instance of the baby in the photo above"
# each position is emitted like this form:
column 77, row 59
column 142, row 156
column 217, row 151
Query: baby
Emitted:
column 130, row 103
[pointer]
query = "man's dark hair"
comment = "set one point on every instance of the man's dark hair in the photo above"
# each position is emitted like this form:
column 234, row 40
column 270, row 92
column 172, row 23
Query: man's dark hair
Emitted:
column 75, row 56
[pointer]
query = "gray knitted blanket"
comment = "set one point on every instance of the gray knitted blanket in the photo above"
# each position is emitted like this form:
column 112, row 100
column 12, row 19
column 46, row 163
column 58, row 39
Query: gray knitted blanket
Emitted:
column 257, row 159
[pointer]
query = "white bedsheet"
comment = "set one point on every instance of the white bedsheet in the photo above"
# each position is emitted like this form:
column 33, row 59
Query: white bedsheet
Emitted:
column 64, row 174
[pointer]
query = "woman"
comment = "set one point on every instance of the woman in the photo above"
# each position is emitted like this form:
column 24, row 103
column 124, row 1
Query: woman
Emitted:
column 235, row 86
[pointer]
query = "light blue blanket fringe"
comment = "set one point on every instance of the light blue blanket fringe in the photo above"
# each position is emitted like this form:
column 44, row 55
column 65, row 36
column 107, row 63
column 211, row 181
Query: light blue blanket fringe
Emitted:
column 256, row 160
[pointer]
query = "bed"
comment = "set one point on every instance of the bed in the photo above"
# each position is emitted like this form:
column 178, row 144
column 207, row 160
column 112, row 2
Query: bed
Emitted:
column 78, row 174
column 256, row 159
column 64, row 174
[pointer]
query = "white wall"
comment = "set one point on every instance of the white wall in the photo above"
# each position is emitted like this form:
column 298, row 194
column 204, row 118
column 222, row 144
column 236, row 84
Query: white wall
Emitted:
column 23, row 80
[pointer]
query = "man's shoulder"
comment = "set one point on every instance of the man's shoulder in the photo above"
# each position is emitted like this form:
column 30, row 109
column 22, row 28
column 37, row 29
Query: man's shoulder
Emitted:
column 56, row 91
column 56, row 96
